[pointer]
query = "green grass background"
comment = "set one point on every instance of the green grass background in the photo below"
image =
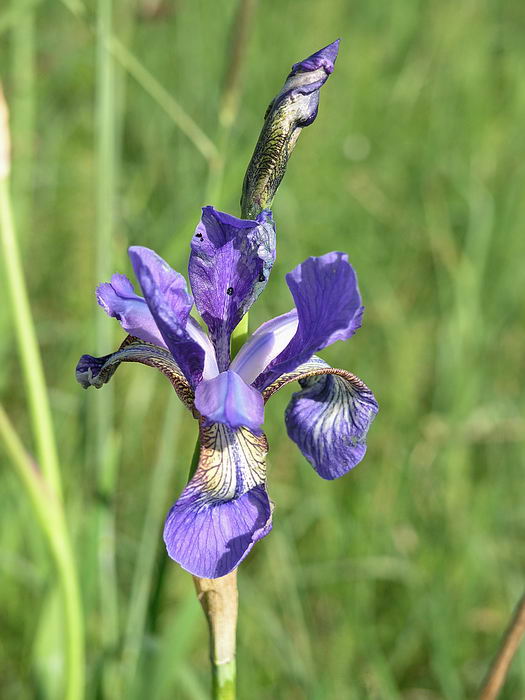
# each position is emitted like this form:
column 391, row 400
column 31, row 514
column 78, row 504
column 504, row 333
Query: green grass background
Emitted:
column 397, row 580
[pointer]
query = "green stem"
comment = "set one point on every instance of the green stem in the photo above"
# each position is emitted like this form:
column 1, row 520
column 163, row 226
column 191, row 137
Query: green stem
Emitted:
column 23, row 112
column 105, row 456
column 44, row 488
column 223, row 680
column 50, row 516
column 147, row 551
column 163, row 98
column 133, row 66
column 219, row 600
column 231, row 93
column 30, row 358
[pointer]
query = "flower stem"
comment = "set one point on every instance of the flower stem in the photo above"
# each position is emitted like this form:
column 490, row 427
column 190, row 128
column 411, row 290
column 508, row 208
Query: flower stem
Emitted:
column 42, row 483
column 50, row 516
column 104, row 453
column 23, row 111
column 219, row 600
column 24, row 327
column 231, row 94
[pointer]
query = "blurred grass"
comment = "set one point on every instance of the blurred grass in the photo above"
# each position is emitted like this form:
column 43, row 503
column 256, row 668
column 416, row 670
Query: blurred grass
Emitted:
column 396, row 581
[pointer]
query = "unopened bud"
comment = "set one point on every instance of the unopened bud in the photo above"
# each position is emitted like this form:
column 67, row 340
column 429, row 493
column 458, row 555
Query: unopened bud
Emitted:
column 294, row 108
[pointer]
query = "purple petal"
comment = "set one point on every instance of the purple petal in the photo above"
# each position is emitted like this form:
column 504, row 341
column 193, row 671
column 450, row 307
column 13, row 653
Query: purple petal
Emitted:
column 329, row 308
column 305, row 81
column 224, row 509
column 210, row 540
column 168, row 300
column 329, row 420
column 228, row 399
column 118, row 299
column 229, row 265
column 268, row 341
column 324, row 58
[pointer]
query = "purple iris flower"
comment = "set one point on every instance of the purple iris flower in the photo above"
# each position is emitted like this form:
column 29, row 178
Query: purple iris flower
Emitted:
column 225, row 507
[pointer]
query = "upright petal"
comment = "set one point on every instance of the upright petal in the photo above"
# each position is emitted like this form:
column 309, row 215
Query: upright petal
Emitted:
column 118, row 299
column 330, row 417
column 224, row 509
column 229, row 265
column 168, row 300
column 97, row 371
column 228, row 399
column 264, row 344
column 328, row 306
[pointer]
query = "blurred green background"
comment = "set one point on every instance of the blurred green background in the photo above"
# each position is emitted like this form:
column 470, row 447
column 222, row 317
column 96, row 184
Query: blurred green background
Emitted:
column 397, row 580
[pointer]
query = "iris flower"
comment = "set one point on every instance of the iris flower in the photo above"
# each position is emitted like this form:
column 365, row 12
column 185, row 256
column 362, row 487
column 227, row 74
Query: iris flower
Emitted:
column 225, row 507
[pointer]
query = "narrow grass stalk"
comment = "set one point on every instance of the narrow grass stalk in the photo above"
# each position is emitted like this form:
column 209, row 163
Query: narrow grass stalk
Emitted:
column 11, row 16
column 231, row 93
column 164, row 99
column 43, row 487
column 102, row 405
column 23, row 112
column 144, row 568
column 50, row 516
column 31, row 361
column 497, row 674
column 154, row 88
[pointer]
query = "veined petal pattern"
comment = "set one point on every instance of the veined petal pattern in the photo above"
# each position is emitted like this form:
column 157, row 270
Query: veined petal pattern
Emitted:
column 97, row 371
column 224, row 509
column 330, row 417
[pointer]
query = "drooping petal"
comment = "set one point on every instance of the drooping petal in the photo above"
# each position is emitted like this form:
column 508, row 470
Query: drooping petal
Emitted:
column 97, row 371
column 224, row 509
column 168, row 300
column 118, row 299
column 328, row 306
column 229, row 265
column 228, row 399
column 264, row 345
column 329, row 418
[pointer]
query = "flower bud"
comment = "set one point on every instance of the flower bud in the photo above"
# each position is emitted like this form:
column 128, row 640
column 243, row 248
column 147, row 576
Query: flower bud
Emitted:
column 292, row 109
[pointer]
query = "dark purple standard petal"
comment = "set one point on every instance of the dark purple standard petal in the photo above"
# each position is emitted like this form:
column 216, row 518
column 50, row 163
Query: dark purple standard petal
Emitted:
column 328, row 306
column 329, row 420
column 118, row 299
column 224, row 509
column 168, row 300
column 229, row 266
